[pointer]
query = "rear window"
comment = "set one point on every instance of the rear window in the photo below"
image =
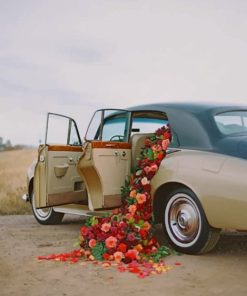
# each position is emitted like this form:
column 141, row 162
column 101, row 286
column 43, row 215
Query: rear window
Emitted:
column 148, row 122
column 232, row 122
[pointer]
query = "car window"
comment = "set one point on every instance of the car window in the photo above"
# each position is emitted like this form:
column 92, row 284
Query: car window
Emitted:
column 147, row 122
column 115, row 126
column 109, row 125
column 61, row 130
column 93, row 131
column 232, row 122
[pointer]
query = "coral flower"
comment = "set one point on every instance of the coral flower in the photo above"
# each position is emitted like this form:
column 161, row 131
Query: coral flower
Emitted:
column 132, row 209
column 132, row 254
column 165, row 144
column 92, row 243
column 141, row 198
column 128, row 216
column 118, row 256
column 146, row 226
column 84, row 230
column 144, row 181
column 111, row 242
column 156, row 147
column 133, row 193
column 105, row 227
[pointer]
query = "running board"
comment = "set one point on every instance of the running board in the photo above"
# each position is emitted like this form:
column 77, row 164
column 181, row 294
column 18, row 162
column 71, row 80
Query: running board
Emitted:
column 76, row 209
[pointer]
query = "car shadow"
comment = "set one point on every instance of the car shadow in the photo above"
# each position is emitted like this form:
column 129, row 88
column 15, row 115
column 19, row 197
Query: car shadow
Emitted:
column 230, row 242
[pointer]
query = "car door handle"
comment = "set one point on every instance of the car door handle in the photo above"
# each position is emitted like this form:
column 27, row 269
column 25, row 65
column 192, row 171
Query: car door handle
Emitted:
column 71, row 161
column 116, row 153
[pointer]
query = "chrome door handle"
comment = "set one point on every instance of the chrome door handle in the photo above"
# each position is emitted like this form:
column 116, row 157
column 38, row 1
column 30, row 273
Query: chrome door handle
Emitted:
column 71, row 160
column 116, row 153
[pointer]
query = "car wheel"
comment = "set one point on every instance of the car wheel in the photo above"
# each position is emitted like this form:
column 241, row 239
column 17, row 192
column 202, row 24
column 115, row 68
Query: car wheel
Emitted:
column 185, row 223
column 45, row 216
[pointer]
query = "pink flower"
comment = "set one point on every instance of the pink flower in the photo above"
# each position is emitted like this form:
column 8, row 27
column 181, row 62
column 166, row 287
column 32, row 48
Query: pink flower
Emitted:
column 131, row 237
column 132, row 209
column 118, row 256
column 147, row 169
column 105, row 227
column 111, row 242
column 154, row 168
column 141, row 198
column 165, row 144
column 92, row 243
column 144, row 181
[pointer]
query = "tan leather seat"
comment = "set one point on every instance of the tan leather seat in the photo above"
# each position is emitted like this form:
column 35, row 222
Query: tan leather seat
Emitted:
column 137, row 143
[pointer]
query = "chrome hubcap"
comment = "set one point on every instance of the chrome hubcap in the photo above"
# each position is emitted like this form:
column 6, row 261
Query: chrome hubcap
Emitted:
column 42, row 214
column 182, row 219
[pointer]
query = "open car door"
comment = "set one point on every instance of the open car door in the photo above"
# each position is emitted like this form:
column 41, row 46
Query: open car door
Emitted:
column 106, row 160
column 57, row 181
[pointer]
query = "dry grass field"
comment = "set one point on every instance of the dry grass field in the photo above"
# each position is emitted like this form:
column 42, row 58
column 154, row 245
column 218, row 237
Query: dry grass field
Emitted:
column 13, row 168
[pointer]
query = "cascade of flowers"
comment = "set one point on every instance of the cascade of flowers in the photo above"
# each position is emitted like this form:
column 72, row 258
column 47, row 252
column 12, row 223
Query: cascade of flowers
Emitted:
column 124, row 236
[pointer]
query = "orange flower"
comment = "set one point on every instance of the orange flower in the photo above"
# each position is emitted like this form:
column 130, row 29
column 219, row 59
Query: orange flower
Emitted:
column 92, row 243
column 146, row 226
column 133, row 193
column 111, row 242
column 132, row 209
column 141, row 198
column 118, row 256
column 106, row 227
column 138, row 247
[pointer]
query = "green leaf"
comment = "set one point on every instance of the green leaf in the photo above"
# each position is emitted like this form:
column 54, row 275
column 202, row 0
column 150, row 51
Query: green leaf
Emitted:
column 138, row 172
column 162, row 252
column 98, row 251
column 149, row 154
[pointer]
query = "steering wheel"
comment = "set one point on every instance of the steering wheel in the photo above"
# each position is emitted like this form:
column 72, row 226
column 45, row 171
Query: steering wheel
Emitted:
column 120, row 138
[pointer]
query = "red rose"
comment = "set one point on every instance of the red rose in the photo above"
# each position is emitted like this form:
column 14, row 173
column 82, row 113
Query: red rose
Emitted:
column 122, row 247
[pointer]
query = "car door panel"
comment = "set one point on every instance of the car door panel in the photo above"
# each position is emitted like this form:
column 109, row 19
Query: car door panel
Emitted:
column 57, row 180
column 105, row 167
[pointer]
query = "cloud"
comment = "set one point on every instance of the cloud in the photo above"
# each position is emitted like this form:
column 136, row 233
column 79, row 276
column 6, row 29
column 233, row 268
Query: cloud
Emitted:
column 60, row 55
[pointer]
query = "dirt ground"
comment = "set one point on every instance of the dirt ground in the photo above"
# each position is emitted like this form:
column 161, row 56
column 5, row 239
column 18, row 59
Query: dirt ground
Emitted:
column 222, row 272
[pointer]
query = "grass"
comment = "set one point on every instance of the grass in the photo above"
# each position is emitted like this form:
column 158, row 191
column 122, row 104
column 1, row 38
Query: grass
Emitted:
column 13, row 168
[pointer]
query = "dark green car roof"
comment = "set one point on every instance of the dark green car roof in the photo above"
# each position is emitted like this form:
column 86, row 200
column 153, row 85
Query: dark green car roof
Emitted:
column 193, row 123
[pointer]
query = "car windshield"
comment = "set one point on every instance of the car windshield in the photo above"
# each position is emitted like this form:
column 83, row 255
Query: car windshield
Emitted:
column 232, row 122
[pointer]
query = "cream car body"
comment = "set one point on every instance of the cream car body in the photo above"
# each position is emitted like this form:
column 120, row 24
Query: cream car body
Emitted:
column 199, row 188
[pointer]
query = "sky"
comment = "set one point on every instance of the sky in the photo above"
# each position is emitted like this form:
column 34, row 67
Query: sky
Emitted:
column 73, row 57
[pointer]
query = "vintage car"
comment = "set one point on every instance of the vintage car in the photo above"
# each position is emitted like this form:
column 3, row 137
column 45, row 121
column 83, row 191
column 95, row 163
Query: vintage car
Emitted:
column 199, row 189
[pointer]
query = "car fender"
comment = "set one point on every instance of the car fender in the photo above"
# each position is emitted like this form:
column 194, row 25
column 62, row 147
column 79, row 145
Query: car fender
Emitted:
column 217, row 180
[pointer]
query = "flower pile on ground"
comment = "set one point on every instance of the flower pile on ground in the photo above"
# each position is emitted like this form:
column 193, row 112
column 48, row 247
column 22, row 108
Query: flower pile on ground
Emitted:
column 124, row 236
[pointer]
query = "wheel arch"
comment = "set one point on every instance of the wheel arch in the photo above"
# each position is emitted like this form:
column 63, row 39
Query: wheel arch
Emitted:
column 160, row 196
column 30, row 189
